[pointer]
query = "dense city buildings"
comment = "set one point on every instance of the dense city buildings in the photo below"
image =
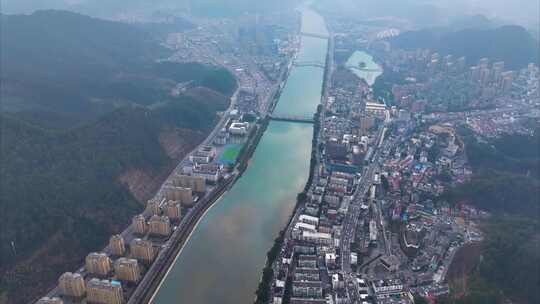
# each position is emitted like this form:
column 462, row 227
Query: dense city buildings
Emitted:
column 372, row 227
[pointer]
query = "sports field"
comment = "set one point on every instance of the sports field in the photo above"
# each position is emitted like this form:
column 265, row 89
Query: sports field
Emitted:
column 230, row 153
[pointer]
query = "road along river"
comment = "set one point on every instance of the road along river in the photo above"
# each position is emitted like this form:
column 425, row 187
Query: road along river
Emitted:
column 223, row 259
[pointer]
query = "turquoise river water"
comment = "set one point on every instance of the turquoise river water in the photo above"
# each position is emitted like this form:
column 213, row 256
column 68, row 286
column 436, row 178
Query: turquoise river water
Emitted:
column 223, row 260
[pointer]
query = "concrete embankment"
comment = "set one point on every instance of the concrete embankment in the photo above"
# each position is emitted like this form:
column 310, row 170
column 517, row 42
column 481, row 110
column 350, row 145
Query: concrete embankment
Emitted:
column 158, row 271
column 146, row 289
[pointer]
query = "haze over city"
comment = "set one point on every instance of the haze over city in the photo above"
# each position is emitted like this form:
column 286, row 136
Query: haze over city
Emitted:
column 269, row 152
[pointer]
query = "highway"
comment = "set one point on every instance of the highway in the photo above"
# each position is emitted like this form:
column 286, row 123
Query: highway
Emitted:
column 314, row 35
column 353, row 214
column 351, row 218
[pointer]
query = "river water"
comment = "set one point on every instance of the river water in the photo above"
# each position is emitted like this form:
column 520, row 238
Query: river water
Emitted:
column 223, row 260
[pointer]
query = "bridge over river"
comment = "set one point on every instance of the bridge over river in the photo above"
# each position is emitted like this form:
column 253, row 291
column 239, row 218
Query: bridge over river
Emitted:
column 293, row 118
column 314, row 35
column 224, row 256
column 316, row 64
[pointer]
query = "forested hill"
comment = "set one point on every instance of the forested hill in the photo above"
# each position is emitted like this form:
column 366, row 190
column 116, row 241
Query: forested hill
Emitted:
column 71, row 68
column 115, row 8
column 67, row 63
column 505, row 182
column 89, row 130
column 511, row 44
column 69, row 40
column 506, row 179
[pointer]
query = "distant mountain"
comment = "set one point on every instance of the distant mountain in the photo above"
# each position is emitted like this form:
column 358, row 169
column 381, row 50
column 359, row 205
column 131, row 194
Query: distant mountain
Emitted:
column 67, row 63
column 512, row 44
column 89, row 130
column 408, row 11
column 147, row 10
column 473, row 22
column 238, row 7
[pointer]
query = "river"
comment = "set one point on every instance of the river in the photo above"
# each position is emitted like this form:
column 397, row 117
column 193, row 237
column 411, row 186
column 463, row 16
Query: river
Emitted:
column 223, row 260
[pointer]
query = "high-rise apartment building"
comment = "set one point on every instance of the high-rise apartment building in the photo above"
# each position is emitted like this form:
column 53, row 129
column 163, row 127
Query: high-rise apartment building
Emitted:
column 117, row 245
column 483, row 63
column 173, row 210
column 507, row 80
column 152, row 206
column 142, row 250
column 159, row 225
column 98, row 264
column 461, row 63
column 183, row 195
column 104, row 292
column 127, row 270
column 475, row 73
column 196, row 183
column 139, row 224
column 72, row 285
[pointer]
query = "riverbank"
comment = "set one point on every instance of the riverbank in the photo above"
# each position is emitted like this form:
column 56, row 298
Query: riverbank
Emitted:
column 262, row 293
column 161, row 269
column 148, row 292
column 244, row 156
column 182, row 235
column 244, row 223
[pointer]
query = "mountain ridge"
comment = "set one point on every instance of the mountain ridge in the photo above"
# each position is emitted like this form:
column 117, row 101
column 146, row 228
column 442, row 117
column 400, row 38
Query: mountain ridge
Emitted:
column 509, row 43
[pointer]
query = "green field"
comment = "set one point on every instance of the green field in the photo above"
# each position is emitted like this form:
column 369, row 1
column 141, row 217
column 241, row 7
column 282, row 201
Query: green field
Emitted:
column 230, row 153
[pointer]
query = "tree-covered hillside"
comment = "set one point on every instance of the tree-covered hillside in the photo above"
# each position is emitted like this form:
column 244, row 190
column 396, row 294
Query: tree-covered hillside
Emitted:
column 90, row 127
column 506, row 183
column 506, row 178
column 70, row 68
column 61, row 195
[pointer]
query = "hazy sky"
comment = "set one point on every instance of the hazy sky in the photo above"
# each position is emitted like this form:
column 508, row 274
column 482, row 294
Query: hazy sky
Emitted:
column 524, row 12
